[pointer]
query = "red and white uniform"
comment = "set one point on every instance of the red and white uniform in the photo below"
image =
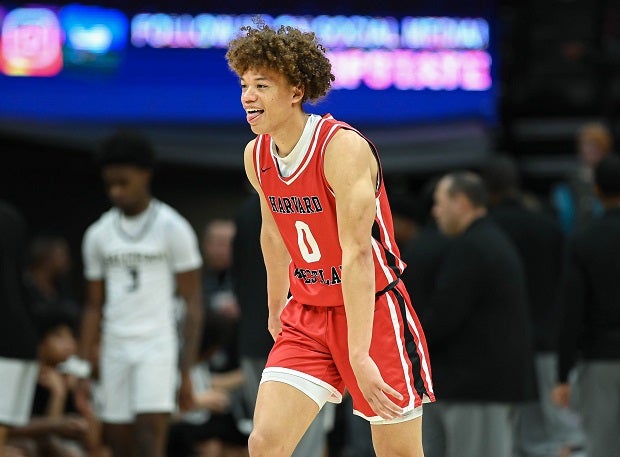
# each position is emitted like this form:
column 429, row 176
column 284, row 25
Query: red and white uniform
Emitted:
column 314, row 323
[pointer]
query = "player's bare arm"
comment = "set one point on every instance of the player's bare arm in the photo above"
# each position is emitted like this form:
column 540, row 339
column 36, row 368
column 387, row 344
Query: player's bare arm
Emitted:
column 275, row 254
column 89, row 337
column 190, row 289
column 351, row 169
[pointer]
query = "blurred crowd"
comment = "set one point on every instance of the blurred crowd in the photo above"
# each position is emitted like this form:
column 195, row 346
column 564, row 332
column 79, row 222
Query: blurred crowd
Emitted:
column 518, row 294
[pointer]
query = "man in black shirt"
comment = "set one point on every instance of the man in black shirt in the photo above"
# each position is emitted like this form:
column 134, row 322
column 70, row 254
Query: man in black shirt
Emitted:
column 18, row 339
column 590, row 318
column 477, row 329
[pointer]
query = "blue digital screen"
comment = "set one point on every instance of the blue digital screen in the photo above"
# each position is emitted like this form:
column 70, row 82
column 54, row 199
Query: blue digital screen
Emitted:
column 95, row 64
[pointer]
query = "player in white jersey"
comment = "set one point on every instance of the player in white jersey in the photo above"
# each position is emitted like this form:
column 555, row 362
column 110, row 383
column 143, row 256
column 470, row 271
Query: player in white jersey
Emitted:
column 140, row 257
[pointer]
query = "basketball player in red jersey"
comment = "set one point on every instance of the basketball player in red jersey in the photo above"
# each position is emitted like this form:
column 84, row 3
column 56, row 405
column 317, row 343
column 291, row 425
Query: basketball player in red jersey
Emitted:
column 339, row 314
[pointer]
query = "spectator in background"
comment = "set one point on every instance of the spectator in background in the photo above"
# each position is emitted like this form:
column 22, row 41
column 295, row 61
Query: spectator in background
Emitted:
column 590, row 319
column 478, row 331
column 574, row 199
column 249, row 280
column 210, row 429
column 543, row 429
column 216, row 244
column 218, row 372
column 140, row 258
column 47, row 276
column 424, row 252
column 18, row 336
column 219, row 300
column 50, row 296
column 255, row 341
column 55, row 428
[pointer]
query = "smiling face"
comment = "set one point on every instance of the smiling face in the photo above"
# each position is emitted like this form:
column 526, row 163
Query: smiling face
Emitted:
column 269, row 100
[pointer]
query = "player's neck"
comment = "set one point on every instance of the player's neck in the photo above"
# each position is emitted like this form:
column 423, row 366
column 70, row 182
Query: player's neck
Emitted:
column 289, row 134
column 139, row 208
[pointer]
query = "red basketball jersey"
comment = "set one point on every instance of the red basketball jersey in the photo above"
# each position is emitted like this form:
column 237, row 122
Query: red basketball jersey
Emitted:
column 304, row 208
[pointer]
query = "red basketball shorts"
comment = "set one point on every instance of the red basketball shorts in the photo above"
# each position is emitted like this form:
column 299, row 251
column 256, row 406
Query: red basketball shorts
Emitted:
column 313, row 347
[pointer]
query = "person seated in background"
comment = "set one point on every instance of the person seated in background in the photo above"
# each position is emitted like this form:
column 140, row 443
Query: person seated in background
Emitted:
column 47, row 277
column 212, row 428
column 55, row 428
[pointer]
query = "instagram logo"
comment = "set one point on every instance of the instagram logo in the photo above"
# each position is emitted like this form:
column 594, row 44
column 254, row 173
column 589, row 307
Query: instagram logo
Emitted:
column 31, row 43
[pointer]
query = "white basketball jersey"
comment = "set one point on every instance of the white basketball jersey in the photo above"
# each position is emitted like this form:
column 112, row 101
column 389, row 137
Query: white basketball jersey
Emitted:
column 139, row 267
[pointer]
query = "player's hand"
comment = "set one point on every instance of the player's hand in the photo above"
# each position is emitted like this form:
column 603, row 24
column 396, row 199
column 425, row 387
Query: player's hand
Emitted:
column 560, row 395
column 375, row 389
column 274, row 324
column 82, row 398
column 186, row 392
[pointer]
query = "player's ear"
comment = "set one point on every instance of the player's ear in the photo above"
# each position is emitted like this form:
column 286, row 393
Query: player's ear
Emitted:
column 298, row 93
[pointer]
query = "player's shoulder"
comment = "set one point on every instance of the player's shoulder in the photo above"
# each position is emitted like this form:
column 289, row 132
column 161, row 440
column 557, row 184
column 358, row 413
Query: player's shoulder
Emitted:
column 103, row 222
column 250, row 144
column 249, row 148
column 349, row 141
column 100, row 229
column 167, row 214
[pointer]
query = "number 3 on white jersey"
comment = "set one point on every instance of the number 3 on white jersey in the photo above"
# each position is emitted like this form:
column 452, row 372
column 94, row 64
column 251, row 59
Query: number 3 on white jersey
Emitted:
column 307, row 243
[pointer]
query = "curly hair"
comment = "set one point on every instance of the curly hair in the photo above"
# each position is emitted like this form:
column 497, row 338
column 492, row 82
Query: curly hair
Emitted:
column 295, row 54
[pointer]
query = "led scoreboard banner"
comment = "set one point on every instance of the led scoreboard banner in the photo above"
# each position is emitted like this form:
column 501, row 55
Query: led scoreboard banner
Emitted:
column 88, row 63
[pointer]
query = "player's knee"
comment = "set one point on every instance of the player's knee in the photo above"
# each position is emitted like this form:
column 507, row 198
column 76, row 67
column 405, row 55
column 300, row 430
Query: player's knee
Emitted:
column 257, row 444
column 260, row 444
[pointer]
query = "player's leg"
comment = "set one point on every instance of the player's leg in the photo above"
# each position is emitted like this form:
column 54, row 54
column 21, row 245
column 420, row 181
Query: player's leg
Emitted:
column 119, row 439
column 114, row 390
column 154, row 394
column 282, row 415
column 314, row 439
column 4, row 432
column 398, row 348
column 151, row 433
column 299, row 378
column 311, row 443
column 403, row 439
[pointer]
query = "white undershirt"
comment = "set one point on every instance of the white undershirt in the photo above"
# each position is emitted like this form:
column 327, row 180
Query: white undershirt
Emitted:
column 290, row 163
